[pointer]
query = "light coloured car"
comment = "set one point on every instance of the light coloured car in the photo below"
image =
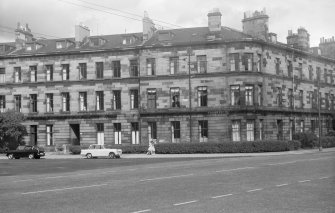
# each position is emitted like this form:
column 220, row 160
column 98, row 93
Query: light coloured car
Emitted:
column 96, row 150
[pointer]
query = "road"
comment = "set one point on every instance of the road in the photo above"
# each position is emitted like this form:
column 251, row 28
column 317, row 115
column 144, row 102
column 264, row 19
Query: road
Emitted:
column 287, row 183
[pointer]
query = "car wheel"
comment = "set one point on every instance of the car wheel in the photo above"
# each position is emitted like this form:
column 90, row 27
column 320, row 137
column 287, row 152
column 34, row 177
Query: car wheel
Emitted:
column 88, row 155
column 17, row 157
column 111, row 155
column 10, row 156
column 31, row 156
column 38, row 157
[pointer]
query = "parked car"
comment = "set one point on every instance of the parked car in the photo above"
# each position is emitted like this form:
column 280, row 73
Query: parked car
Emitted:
column 30, row 152
column 96, row 150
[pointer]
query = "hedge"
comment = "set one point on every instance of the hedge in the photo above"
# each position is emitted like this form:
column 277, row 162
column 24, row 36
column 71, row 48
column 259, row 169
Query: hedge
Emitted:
column 328, row 142
column 226, row 147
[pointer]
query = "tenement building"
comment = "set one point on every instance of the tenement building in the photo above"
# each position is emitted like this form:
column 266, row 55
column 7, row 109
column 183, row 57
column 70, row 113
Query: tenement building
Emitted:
column 203, row 84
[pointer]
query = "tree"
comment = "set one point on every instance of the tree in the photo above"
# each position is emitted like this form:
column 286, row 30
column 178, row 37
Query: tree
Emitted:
column 11, row 129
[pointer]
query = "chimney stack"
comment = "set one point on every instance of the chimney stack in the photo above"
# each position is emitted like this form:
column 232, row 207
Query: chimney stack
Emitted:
column 81, row 33
column 22, row 36
column 256, row 24
column 214, row 20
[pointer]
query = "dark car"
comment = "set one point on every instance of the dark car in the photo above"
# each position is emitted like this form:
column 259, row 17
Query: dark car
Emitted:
column 30, row 152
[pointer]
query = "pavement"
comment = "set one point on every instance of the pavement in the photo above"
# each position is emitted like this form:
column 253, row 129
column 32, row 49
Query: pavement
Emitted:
column 55, row 155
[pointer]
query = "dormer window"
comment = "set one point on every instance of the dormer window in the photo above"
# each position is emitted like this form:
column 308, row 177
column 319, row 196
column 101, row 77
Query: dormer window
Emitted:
column 29, row 48
column 97, row 41
column 59, row 45
column 38, row 46
column 128, row 40
column 165, row 36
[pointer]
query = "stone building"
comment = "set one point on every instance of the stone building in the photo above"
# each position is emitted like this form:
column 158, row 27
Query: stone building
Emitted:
column 203, row 84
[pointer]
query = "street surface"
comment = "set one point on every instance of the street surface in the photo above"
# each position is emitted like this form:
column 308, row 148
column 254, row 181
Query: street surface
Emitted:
column 286, row 183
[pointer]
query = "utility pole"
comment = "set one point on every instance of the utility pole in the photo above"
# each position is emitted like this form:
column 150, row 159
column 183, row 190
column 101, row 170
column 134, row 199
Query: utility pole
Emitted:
column 319, row 111
column 189, row 52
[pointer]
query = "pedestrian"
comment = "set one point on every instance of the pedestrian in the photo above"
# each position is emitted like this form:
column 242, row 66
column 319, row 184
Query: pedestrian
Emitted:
column 151, row 149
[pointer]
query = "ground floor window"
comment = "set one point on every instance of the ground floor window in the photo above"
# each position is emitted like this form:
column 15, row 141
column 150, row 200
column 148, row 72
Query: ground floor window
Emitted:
column 152, row 130
column 280, row 129
column 203, row 131
column 250, row 130
column 261, row 130
column 50, row 141
column 135, row 135
column 33, row 135
column 236, row 127
column 100, row 134
column 175, row 131
column 117, row 133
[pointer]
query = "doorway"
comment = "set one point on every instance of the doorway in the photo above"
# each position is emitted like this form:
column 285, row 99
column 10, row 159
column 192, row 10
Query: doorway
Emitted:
column 75, row 134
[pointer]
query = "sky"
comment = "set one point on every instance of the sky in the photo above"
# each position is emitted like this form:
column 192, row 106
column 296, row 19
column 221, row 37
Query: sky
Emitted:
column 57, row 18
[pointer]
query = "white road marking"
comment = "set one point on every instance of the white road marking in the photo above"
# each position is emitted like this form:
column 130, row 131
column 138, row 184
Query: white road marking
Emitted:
column 188, row 202
column 168, row 177
column 254, row 190
column 228, row 170
column 145, row 210
column 62, row 189
column 323, row 178
column 283, row 163
column 219, row 196
column 284, row 184
column 303, row 181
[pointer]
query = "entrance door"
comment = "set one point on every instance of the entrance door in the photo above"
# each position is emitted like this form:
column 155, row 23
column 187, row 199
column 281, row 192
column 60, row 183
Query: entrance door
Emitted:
column 75, row 134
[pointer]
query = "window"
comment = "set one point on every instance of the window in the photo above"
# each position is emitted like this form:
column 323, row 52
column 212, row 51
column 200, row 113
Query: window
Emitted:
column 2, row 75
column 2, row 103
column 202, row 63
column 235, row 95
column 134, row 99
column 330, row 77
column 290, row 69
column 33, row 135
column 290, row 98
column 116, row 69
column 249, row 95
column 175, row 131
column 203, row 131
column 301, row 98
column 100, row 134
column 59, row 44
column 259, row 95
column 332, row 102
column 261, row 129
column 327, row 106
column 49, row 72
column 292, row 128
column 151, row 98
column 279, row 96
column 278, row 66
column 133, row 68
column 135, row 135
column 65, row 102
column 152, row 130
column 33, row 103
column 315, row 99
column 234, row 61
column 116, row 99
column 151, row 66
column 236, row 126
column 325, row 75
column 301, row 126
column 202, row 96
column 117, row 133
column 247, row 61
column 310, row 71
column 175, row 97
column 83, row 101
column 313, row 126
column 82, row 71
column 17, row 74
column 174, row 65
column 250, row 130
column 100, row 100
column 33, row 73
column 318, row 73
column 280, row 130
column 65, row 72
column 17, row 103
column 259, row 62
column 50, row 141
column 49, row 102
column 300, row 71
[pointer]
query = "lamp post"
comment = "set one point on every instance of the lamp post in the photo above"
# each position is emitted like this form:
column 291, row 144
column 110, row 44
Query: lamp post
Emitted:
column 189, row 52
column 319, row 111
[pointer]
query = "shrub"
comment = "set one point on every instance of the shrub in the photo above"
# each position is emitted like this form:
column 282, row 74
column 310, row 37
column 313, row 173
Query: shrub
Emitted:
column 75, row 149
column 307, row 139
column 331, row 133
column 131, row 149
column 328, row 142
